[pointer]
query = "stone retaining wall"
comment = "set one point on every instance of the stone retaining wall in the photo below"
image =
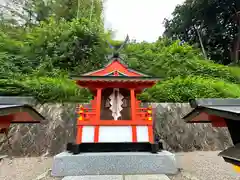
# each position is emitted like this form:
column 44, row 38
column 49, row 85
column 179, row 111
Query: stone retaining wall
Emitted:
column 51, row 136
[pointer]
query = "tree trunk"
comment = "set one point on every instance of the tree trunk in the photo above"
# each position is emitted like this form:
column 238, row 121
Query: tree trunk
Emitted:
column 237, row 50
column 201, row 43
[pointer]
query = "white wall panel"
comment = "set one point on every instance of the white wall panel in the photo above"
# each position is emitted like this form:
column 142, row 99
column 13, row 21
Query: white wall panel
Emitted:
column 88, row 134
column 142, row 134
column 115, row 134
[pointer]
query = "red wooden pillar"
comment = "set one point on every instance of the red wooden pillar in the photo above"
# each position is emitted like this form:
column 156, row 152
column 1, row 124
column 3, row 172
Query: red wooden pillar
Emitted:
column 133, row 112
column 150, row 127
column 79, row 131
column 150, row 134
column 98, row 114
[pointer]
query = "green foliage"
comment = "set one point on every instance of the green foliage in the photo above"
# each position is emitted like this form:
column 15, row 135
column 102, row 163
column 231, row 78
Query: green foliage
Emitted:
column 37, row 55
column 168, row 61
column 52, row 42
column 35, row 11
column 70, row 46
column 216, row 22
column 182, row 89
column 185, row 73
column 74, row 46
column 45, row 89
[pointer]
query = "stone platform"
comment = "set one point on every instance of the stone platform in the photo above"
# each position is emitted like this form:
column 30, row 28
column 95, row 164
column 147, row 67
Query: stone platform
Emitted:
column 115, row 163
column 119, row 177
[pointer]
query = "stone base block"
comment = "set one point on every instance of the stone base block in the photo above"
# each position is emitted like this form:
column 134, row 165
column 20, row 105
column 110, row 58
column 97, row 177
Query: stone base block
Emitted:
column 94, row 177
column 118, row 177
column 117, row 163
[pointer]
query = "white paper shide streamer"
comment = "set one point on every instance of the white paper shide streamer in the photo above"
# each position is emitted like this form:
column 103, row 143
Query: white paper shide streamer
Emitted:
column 116, row 102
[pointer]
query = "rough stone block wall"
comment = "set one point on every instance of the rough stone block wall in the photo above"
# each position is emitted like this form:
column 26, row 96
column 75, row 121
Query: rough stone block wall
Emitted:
column 51, row 136
column 180, row 136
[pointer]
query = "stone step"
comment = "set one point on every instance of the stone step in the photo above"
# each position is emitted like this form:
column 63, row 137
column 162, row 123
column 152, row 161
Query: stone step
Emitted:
column 119, row 177
column 66, row 164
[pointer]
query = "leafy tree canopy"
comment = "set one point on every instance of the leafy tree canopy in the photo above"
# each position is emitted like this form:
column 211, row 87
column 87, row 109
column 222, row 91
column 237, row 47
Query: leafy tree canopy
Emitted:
column 216, row 22
column 40, row 46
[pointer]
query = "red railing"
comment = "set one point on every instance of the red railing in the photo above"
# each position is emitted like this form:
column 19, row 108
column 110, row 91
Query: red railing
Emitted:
column 144, row 114
column 86, row 114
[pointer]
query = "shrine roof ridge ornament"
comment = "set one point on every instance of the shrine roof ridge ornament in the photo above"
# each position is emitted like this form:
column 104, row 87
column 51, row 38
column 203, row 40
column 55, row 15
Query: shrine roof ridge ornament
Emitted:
column 115, row 61
column 116, row 56
column 110, row 62
column 124, row 64
column 115, row 53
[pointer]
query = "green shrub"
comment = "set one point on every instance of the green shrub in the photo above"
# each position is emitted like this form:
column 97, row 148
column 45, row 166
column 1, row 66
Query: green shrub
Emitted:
column 75, row 45
column 45, row 89
column 36, row 60
column 173, row 60
column 71, row 46
column 182, row 89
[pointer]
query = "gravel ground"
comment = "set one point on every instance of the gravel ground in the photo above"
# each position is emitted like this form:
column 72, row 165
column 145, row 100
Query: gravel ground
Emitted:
column 203, row 165
column 194, row 165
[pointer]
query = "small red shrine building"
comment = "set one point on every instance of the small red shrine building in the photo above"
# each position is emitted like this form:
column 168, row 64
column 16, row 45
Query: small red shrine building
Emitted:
column 220, row 112
column 114, row 116
column 12, row 111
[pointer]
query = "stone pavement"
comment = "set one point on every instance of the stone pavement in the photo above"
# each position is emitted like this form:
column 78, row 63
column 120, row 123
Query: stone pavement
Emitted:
column 118, row 177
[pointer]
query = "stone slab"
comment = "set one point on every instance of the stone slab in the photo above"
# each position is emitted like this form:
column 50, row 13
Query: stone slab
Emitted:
column 118, row 177
column 115, row 163
column 147, row 177
column 94, row 177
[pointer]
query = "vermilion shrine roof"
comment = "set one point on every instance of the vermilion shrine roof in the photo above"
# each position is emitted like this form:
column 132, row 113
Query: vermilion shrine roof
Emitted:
column 225, row 108
column 115, row 71
column 115, row 74
column 115, row 65
column 220, row 112
column 20, row 114
column 17, row 110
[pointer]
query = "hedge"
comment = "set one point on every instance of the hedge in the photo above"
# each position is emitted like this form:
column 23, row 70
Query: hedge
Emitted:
column 181, row 89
